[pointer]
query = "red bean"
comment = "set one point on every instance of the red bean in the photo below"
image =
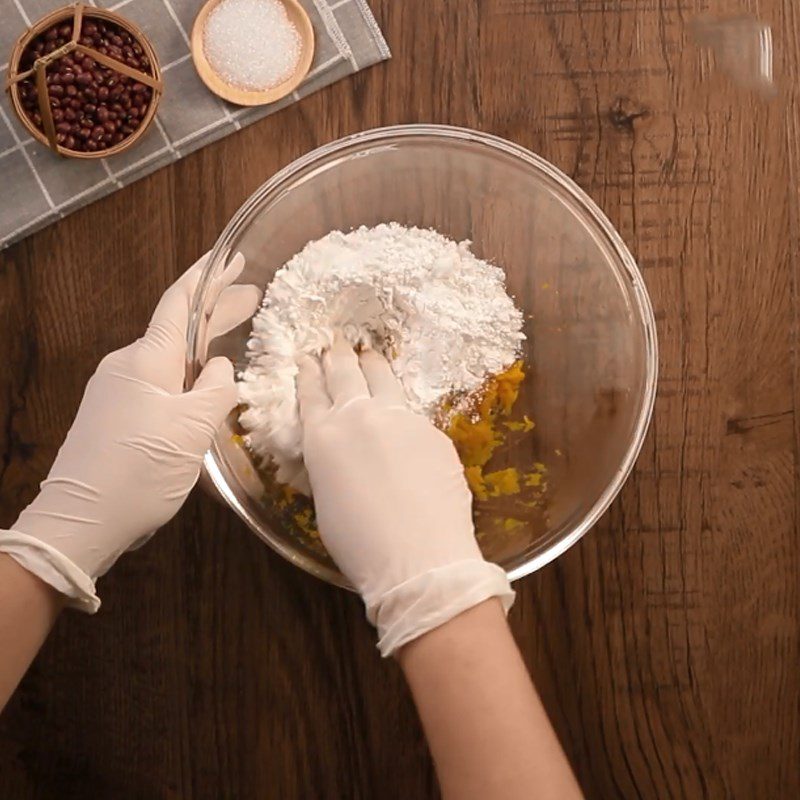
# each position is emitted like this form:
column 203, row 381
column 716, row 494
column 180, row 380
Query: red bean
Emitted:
column 80, row 89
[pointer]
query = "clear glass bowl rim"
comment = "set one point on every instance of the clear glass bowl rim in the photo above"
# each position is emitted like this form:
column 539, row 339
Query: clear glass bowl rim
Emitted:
column 630, row 272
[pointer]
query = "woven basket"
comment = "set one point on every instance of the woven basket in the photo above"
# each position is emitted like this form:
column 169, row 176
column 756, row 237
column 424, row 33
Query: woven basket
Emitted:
column 77, row 13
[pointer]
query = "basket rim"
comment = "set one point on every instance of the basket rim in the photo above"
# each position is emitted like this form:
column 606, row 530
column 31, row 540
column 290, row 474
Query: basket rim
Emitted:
column 60, row 14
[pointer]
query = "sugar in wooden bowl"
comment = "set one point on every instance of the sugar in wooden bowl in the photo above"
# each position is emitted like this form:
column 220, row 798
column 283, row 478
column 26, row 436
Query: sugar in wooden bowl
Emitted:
column 252, row 52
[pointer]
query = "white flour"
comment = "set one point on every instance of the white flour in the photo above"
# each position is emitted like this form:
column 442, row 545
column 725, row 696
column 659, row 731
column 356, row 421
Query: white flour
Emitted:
column 442, row 316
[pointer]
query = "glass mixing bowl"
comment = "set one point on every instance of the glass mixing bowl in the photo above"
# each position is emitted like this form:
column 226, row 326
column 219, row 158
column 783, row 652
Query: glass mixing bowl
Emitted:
column 590, row 352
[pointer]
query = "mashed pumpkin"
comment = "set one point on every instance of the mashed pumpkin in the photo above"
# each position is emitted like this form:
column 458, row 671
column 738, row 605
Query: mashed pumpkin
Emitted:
column 479, row 434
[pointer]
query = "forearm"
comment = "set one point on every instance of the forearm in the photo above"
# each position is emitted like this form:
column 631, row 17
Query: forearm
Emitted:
column 28, row 609
column 487, row 729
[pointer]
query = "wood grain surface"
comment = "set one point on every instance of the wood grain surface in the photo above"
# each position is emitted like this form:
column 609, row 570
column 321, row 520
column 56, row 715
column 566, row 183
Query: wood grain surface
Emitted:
column 666, row 644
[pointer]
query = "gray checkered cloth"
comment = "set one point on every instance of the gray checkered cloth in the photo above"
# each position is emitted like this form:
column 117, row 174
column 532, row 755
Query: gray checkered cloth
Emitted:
column 39, row 187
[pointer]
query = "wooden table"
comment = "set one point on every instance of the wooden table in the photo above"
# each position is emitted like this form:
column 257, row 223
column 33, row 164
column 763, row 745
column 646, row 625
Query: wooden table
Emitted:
column 665, row 644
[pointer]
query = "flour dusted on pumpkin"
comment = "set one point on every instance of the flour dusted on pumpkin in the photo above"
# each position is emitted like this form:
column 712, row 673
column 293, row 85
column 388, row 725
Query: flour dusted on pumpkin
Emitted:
column 440, row 314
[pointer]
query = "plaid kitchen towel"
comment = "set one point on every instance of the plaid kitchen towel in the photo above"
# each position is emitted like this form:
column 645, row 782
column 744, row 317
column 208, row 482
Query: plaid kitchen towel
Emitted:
column 38, row 187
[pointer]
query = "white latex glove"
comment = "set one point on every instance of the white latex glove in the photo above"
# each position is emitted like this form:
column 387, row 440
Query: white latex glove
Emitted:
column 135, row 448
column 392, row 503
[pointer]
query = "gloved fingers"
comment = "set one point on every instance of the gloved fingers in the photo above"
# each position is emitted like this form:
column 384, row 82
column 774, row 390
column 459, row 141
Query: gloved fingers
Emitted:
column 296, row 476
column 227, row 277
column 163, row 347
column 169, row 320
column 216, row 375
column 311, row 392
column 381, row 380
column 343, row 375
column 167, row 328
column 211, row 399
column 235, row 305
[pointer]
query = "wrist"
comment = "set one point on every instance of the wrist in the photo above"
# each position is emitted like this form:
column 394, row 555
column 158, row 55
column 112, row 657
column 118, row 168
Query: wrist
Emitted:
column 28, row 582
column 455, row 638
column 433, row 598
column 52, row 568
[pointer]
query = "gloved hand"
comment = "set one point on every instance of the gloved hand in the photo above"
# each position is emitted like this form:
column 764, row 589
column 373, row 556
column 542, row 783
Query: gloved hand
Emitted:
column 135, row 448
column 392, row 503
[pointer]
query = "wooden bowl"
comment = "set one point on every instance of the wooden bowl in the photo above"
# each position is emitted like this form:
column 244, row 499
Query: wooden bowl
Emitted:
column 64, row 14
column 245, row 97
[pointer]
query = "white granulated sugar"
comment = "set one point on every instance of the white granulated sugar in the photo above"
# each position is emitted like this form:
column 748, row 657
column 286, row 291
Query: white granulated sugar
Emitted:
column 251, row 44
column 441, row 314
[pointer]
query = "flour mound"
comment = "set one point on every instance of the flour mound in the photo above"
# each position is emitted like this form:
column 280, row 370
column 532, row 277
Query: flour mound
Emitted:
column 439, row 313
